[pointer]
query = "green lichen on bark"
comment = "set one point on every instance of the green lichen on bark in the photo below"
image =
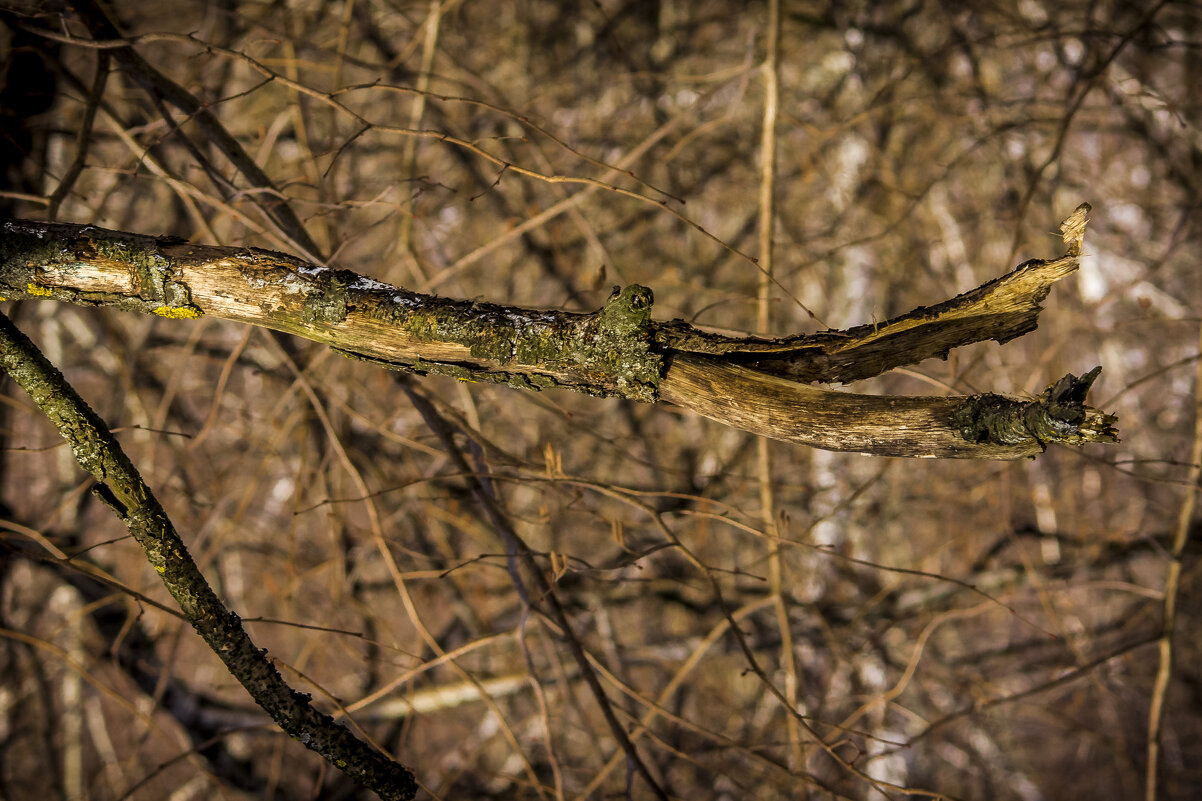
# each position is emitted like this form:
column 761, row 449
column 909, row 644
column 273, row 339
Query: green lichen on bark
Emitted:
column 153, row 271
column 609, row 352
column 24, row 245
column 330, row 302
column 617, row 341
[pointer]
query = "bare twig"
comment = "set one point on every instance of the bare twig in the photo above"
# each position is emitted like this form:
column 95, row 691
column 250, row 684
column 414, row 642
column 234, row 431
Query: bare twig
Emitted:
column 84, row 136
column 767, row 219
column 1172, row 588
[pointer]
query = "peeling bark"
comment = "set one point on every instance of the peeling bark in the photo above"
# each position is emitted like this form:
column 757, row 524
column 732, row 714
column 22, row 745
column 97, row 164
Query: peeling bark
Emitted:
column 1001, row 310
column 756, row 384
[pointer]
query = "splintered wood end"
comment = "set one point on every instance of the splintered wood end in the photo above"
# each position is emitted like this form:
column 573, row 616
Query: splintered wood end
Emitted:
column 1073, row 229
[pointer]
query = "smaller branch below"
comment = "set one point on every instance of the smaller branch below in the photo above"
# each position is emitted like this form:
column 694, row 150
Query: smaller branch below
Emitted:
column 121, row 487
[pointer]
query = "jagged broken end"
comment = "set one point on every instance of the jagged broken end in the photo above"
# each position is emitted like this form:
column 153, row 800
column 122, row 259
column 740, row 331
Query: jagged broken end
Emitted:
column 1037, row 275
column 1073, row 229
column 1062, row 416
column 1059, row 414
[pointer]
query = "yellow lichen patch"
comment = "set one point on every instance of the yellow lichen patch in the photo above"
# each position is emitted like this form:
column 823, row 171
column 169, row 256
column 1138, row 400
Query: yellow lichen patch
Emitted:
column 178, row 312
column 40, row 291
column 3, row 298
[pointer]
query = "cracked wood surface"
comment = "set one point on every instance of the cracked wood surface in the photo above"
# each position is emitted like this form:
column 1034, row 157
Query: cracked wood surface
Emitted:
column 756, row 384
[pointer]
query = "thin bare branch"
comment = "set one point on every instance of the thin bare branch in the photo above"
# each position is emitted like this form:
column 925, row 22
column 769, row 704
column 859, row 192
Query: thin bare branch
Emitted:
column 1172, row 590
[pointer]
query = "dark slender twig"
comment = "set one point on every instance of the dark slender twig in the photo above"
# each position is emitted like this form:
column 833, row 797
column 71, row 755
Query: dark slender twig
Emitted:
column 84, row 137
column 156, row 84
column 1056, row 681
column 121, row 487
column 545, row 592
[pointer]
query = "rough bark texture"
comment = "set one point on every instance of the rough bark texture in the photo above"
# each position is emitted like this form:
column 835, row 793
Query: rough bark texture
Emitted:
column 752, row 383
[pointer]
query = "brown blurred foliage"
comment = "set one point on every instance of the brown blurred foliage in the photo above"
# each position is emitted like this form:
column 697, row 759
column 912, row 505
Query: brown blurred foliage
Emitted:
column 978, row 630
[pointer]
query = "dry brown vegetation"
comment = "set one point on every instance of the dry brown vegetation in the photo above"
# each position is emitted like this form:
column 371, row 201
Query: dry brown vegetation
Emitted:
column 903, row 627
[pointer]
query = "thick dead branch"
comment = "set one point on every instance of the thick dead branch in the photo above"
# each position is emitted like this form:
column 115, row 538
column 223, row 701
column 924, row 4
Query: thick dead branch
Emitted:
column 752, row 383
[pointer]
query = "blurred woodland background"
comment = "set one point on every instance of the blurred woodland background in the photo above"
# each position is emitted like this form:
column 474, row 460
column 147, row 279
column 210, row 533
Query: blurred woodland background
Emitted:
column 940, row 629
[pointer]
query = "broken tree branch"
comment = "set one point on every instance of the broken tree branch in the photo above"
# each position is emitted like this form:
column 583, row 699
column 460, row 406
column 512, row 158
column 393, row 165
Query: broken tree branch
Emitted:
column 752, row 383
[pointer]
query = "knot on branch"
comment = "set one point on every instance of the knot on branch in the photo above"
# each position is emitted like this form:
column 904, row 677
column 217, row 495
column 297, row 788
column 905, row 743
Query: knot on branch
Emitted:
column 616, row 342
